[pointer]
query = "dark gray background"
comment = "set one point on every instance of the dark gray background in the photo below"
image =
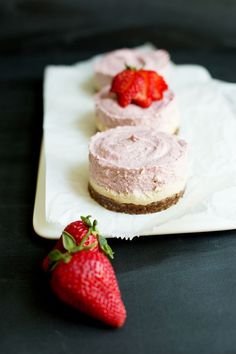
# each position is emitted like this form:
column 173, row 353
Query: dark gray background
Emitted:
column 179, row 290
column 27, row 24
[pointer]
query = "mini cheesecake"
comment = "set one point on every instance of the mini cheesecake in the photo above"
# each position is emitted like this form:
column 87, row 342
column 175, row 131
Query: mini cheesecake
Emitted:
column 114, row 62
column 137, row 170
column 162, row 115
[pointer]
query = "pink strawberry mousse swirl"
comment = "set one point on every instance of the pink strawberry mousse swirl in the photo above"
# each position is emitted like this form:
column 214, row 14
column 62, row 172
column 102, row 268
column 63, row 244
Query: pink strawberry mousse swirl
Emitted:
column 162, row 115
column 114, row 62
column 128, row 159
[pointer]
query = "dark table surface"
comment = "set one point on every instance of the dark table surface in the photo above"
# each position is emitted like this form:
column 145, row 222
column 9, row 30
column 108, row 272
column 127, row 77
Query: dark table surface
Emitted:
column 179, row 291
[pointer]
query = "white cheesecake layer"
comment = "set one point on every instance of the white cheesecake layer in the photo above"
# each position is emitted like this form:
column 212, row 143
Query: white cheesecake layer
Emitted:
column 139, row 198
column 100, row 126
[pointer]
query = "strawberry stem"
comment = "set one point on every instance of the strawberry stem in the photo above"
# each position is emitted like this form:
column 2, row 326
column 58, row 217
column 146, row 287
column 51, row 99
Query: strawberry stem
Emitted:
column 86, row 220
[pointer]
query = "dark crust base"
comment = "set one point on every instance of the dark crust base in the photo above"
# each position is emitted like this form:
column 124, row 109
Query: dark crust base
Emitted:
column 133, row 208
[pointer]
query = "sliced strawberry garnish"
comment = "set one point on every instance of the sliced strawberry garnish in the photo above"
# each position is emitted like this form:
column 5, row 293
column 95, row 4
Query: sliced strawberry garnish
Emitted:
column 123, row 81
column 157, row 85
column 126, row 85
column 124, row 99
column 138, row 86
column 143, row 97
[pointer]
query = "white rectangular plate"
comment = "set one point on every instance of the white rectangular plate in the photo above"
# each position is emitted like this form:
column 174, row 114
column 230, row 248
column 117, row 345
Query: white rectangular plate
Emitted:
column 208, row 123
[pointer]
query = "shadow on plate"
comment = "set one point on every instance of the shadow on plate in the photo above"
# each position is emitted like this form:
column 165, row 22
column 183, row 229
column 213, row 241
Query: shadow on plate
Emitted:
column 86, row 124
column 89, row 86
column 78, row 178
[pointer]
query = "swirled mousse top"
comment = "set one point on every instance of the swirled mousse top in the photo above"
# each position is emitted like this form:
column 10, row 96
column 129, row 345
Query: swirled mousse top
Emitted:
column 114, row 62
column 136, row 148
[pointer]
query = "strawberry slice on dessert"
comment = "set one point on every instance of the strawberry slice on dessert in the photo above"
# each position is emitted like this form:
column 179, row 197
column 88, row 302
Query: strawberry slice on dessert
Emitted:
column 143, row 98
column 157, row 85
column 126, row 85
column 141, row 87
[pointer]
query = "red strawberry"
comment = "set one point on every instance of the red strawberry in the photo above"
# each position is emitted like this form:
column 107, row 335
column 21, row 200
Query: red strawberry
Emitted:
column 126, row 85
column 138, row 86
column 124, row 99
column 77, row 229
column 143, row 97
column 85, row 279
column 87, row 282
column 157, row 85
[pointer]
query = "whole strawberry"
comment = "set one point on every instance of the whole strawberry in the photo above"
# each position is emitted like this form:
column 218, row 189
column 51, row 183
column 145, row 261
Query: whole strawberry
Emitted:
column 77, row 229
column 86, row 280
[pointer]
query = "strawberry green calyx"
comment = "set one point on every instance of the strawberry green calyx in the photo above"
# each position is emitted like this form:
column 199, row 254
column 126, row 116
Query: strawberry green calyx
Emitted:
column 134, row 68
column 71, row 247
column 68, row 241
column 105, row 247
column 56, row 256
column 93, row 229
column 130, row 67
column 86, row 220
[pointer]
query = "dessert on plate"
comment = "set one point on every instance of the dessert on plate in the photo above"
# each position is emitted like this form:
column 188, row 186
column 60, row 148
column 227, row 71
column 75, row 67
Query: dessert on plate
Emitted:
column 114, row 62
column 137, row 170
column 137, row 97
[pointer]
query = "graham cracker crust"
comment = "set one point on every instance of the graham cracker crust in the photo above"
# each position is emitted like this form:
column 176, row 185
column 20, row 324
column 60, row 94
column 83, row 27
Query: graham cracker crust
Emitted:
column 133, row 208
